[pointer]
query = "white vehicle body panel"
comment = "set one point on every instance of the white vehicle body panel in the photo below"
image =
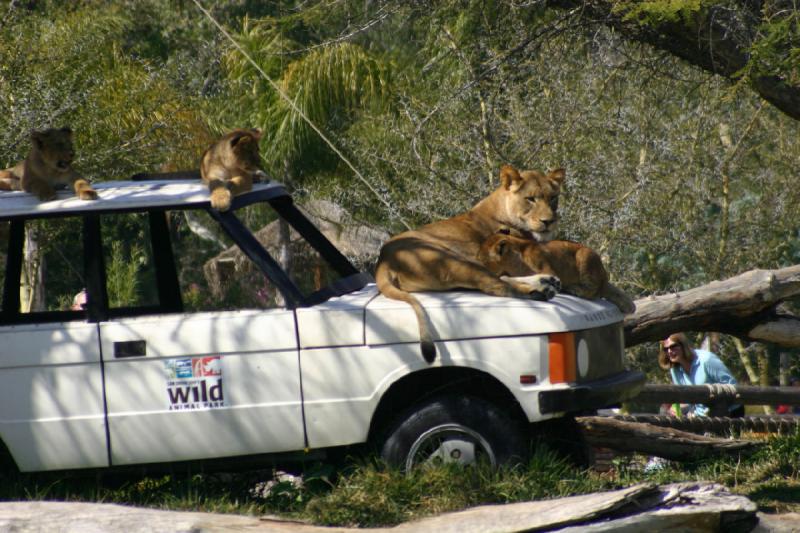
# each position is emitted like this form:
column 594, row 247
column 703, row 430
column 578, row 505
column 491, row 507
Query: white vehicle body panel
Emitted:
column 504, row 337
column 466, row 315
column 253, row 405
column 52, row 415
column 336, row 322
column 346, row 384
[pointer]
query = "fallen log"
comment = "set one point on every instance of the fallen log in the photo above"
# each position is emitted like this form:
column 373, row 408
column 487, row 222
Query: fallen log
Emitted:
column 663, row 442
column 746, row 306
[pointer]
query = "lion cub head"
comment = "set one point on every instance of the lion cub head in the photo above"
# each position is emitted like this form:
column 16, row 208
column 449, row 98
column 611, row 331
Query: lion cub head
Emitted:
column 531, row 200
column 504, row 255
column 53, row 147
column 231, row 165
column 238, row 150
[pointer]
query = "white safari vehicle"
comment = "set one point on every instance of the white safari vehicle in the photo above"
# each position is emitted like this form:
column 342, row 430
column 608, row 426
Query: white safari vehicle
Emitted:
column 160, row 365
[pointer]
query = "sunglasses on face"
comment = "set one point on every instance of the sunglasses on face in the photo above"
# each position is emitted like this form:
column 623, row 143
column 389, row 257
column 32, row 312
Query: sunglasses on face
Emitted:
column 673, row 347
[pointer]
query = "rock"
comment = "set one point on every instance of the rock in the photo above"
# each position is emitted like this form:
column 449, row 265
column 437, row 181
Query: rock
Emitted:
column 692, row 507
column 677, row 507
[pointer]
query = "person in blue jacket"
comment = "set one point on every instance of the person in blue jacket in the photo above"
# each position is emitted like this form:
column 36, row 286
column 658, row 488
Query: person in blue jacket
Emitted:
column 690, row 366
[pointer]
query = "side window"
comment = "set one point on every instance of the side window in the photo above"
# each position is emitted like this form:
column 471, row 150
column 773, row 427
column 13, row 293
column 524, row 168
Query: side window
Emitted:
column 51, row 276
column 129, row 262
column 297, row 257
column 214, row 274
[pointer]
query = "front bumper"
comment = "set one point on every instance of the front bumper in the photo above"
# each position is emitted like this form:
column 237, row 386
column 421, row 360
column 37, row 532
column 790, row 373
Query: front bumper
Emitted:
column 592, row 394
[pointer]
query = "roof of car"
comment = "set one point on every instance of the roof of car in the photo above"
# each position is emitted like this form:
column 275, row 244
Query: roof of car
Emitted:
column 128, row 196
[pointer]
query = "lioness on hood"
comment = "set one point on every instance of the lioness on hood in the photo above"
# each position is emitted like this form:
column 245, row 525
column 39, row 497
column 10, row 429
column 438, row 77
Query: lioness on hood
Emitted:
column 443, row 255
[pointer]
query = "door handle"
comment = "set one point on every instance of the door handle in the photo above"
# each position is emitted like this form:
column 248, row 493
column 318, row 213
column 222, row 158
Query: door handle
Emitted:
column 130, row 349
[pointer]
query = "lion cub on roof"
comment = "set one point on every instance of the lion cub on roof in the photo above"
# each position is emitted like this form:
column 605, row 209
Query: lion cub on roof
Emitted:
column 48, row 165
column 231, row 165
column 579, row 268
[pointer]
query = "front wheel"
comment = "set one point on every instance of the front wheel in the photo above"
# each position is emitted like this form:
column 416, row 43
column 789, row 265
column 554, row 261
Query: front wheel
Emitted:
column 454, row 429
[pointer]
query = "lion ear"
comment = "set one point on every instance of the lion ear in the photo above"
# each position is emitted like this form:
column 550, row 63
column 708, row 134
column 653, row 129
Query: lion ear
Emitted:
column 37, row 138
column 557, row 175
column 510, row 178
column 241, row 137
column 256, row 133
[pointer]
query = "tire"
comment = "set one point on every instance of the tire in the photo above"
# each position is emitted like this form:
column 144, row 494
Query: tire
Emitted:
column 458, row 429
column 565, row 437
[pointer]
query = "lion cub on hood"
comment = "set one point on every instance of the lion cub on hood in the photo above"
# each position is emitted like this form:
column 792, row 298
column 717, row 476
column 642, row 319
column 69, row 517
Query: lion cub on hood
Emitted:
column 48, row 165
column 579, row 268
column 231, row 165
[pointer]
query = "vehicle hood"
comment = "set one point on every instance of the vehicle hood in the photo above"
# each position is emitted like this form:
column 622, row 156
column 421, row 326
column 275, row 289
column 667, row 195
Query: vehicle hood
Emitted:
column 367, row 317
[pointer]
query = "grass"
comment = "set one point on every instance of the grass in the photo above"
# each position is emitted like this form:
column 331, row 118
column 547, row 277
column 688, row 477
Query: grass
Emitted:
column 367, row 494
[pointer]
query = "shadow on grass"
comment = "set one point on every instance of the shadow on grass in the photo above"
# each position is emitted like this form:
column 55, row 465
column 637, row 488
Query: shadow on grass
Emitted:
column 777, row 497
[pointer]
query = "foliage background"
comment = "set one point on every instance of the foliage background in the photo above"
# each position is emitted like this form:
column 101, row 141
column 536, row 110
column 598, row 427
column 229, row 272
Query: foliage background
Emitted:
column 677, row 177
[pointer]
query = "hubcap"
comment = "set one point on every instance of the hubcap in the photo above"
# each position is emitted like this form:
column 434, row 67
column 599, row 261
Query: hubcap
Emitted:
column 450, row 443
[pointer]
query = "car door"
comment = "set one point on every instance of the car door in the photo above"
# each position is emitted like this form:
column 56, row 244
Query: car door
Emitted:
column 218, row 379
column 202, row 385
column 52, row 412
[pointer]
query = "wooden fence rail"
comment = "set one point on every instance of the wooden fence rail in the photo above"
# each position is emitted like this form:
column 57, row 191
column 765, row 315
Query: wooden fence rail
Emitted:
column 785, row 424
column 718, row 393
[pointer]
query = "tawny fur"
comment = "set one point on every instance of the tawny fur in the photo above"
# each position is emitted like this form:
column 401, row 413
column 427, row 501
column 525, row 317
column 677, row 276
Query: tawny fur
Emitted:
column 48, row 165
column 442, row 255
column 9, row 181
column 579, row 268
column 231, row 165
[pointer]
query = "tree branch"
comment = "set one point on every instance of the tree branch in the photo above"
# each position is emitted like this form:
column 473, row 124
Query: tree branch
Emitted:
column 716, row 38
column 745, row 306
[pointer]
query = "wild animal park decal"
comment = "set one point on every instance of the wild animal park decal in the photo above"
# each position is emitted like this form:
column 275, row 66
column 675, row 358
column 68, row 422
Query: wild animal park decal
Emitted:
column 194, row 383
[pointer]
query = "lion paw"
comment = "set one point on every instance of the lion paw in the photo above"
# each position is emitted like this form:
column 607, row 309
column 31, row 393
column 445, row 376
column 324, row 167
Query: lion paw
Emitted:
column 259, row 176
column 88, row 194
column 543, row 287
column 221, row 199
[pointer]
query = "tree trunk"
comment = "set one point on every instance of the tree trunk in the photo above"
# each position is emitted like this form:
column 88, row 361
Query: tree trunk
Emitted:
column 747, row 363
column 31, row 285
column 716, row 38
column 284, row 236
column 285, row 253
column 785, row 366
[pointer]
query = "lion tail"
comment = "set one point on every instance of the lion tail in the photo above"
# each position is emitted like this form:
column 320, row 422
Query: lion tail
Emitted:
column 618, row 297
column 387, row 285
